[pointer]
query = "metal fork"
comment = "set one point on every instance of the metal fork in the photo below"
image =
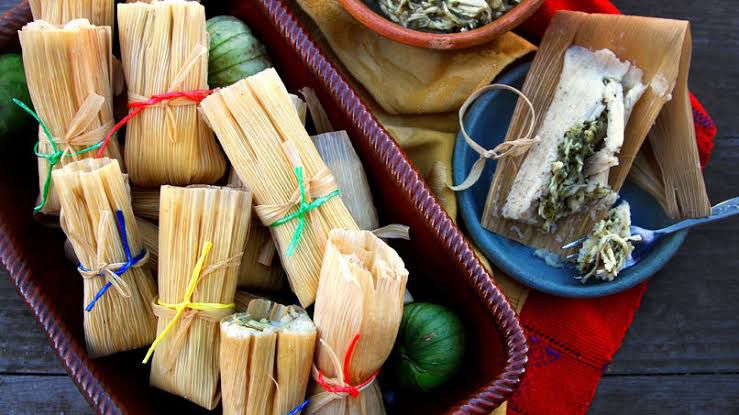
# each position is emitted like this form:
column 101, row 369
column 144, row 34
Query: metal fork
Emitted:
column 649, row 237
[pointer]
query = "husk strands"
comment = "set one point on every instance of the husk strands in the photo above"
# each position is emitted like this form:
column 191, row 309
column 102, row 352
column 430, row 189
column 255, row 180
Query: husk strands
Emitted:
column 360, row 293
column 164, row 48
column 60, row 12
column 91, row 191
column 337, row 152
column 145, row 203
column 259, row 269
column 266, row 356
column 69, row 72
column 185, row 363
column 669, row 169
column 266, row 142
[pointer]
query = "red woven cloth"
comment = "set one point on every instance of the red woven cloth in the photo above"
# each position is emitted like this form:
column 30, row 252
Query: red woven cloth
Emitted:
column 571, row 341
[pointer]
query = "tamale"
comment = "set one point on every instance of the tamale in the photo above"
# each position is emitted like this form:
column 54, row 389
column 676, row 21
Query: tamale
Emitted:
column 59, row 12
column 69, row 78
column 266, row 355
column 202, row 234
column 337, row 152
column 273, row 155
column 358, row 310
column 145, row 203
column 660, row 48
column 164, row 50
column 95, row 201
column 259, row 269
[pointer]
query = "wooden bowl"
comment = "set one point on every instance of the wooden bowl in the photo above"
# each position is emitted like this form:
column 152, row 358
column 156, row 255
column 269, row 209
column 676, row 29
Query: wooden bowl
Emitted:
column 443, row 268
column 445, row 41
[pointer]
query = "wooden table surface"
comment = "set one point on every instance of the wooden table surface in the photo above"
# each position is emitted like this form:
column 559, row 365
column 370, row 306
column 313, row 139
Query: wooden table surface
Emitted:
column 680, row 356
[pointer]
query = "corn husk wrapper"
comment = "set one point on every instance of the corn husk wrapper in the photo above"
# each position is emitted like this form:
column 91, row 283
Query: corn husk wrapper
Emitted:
column 186, row 362
column 60, row 12
column 337, row 152
column 661, row 49
column 164, row 48
column 145, row 203
column 265, row 141
column 150, row 239
column 91, row 191
column 259, row 269
column 360, row 293
column 69, row 72
column 266, row 356
column 300, row 107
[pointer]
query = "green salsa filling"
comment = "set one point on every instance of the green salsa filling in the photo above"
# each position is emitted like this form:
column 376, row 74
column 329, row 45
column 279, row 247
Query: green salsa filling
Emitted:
column 444, row 15
column 568, row 192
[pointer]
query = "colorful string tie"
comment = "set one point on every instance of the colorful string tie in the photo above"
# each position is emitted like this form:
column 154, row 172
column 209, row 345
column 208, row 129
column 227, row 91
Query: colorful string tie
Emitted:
column 217, row 310
column 192, row 97
column 342, row 387
column 267, row 212
column 114, row 272
column 297, row 409
column 54, row 156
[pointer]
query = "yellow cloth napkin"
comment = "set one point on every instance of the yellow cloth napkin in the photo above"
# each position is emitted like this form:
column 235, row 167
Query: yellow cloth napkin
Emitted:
column 416, row 93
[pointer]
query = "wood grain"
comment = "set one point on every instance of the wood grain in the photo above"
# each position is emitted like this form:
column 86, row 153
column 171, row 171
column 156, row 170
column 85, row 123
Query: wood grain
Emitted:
column 674, row 395
column 34, row 395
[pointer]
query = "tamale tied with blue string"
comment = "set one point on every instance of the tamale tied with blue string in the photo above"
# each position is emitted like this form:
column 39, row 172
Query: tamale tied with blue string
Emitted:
column 118, row 285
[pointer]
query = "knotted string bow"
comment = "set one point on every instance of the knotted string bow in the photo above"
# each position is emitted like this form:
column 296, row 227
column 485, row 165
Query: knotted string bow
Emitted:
column 85, row 115
column 512, row 148
column 113, row 273
column 187, row 310
column 169, row 99
column 276, row 215
column 338, row 387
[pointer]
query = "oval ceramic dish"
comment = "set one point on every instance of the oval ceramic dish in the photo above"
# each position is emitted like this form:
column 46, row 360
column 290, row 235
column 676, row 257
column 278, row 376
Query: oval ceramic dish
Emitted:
column 487, row 122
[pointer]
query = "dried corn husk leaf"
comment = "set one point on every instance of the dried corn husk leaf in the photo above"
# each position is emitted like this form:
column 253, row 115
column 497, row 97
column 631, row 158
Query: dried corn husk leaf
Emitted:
column 185, row 363
column 661, row 49
column 337, row 152
column 265, row 141
column 91, row 191
column 300, row 107
column 259, row 269
column 266, row 356
column 321, row 123
column 145, row 203
column 242, row 300
column 164, row 48
column 150, row 239
column 69, row 72
column 360, row 293
column 59, row 12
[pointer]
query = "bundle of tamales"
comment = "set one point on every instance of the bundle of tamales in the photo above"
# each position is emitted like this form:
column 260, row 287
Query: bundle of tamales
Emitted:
column 273, row 156
column 164, row 49
column 266, row 356
column 59, row 12
column 118, row 286
column 259, row 269
column 600, row 83
column 202, row 230
column 358, row 310
column 69, row 78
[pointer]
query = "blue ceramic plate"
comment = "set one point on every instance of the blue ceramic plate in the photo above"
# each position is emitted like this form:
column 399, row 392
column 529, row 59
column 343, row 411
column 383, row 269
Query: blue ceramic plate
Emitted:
column 487, row 121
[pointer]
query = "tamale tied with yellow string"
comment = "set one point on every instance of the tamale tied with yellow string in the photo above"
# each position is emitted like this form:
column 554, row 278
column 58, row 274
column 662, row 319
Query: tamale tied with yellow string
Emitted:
column 294, row 192
column 164, row 49
column 202, row 230
column 69, row 73
column 91, row 192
